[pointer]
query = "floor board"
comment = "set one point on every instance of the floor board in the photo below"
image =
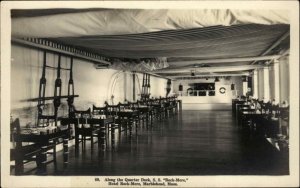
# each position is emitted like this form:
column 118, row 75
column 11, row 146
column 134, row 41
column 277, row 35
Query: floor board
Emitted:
column 191, row 143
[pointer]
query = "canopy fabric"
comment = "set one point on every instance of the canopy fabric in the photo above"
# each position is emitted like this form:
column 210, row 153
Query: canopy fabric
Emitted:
column 148, row 40
column 131, row 21
column 202, row 43
column 141, row 65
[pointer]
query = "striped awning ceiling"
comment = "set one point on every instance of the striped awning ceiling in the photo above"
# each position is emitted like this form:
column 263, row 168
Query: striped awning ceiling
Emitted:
column 160, row 39
column 202, row 43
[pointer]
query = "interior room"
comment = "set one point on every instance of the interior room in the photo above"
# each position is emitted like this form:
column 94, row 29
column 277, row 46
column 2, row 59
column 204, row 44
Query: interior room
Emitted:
column 120, row 92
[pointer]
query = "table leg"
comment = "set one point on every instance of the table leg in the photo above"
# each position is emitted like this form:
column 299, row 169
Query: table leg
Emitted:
column 113, row 136
column 66, row 151
column 147, row 118
column 130, row 126
column 43, row 158
column 92, row 139
column 76, row 143
column 19, row 166
column 102, row 137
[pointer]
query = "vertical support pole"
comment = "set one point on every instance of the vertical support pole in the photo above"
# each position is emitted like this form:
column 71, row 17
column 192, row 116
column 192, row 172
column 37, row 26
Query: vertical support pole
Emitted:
column 57, row 91
column 42, row 89
column 277, row 83
column 266, row 84
column 143, row 86
column 125, row 86
column 255, row 84
column 148, row 87
column 133, row 86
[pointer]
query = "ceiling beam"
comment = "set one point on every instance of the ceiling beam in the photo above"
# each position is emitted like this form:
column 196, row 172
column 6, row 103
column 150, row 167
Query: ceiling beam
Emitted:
column 226, row 60
column 61, row 50
column 209, row 69
column 246, row 73
column 274, row 45
column 200, row 77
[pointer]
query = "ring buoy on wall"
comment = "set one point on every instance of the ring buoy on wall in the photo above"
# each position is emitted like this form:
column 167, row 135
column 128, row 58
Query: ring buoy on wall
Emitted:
column 222, row 90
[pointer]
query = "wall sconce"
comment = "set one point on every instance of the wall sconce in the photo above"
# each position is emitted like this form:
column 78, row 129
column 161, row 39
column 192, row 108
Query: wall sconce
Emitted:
column 217, row 79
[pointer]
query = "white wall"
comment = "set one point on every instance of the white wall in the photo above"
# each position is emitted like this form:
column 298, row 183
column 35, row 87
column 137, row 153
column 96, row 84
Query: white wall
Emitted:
column 272, row 82
column 260, row 76
column 157, row 86
column 284, row 79
column 237, row 80
column 217, row 102
column 94, row 86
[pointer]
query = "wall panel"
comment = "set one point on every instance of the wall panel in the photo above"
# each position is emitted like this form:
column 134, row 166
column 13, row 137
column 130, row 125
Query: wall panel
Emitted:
column 94, row 86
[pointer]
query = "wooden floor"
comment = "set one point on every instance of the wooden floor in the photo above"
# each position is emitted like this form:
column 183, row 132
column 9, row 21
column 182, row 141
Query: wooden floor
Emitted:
column 191, row 143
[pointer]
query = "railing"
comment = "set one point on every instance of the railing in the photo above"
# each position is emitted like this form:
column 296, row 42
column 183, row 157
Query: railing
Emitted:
column 201, row 93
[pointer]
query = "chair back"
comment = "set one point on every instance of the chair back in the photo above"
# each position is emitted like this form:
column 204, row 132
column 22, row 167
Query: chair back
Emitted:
column 124, row 106
column 83, row 113
column 99, row 110
column 284, row 112
column 275, row 110
column 134, row 105
column 15, row 130
column 112, row 110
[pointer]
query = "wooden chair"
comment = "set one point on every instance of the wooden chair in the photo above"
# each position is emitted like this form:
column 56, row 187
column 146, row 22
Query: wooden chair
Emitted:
column 99, row 110
column 84, row 131
column 28, row 153
column 22, row 154
column 148, row 114
column 112, row 110
column 102, row 111
column 125, row 122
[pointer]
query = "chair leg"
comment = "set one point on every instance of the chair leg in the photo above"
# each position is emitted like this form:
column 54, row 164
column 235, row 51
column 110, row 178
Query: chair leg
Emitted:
column 44, row 159
column 54, row 155
column 76, row 144
column 113, row 136
column 102, row 137
column 19, row 166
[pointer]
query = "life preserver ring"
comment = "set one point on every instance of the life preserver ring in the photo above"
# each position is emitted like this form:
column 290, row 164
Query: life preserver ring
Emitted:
column 222, row 90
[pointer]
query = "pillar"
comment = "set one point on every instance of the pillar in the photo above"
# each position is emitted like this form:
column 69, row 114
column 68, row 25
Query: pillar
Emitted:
column 266, row 84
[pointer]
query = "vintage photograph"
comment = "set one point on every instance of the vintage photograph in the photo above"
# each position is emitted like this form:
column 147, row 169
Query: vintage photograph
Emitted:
column 154, row 96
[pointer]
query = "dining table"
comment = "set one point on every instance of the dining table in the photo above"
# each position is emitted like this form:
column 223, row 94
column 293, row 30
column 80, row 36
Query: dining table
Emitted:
column 90, row 124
